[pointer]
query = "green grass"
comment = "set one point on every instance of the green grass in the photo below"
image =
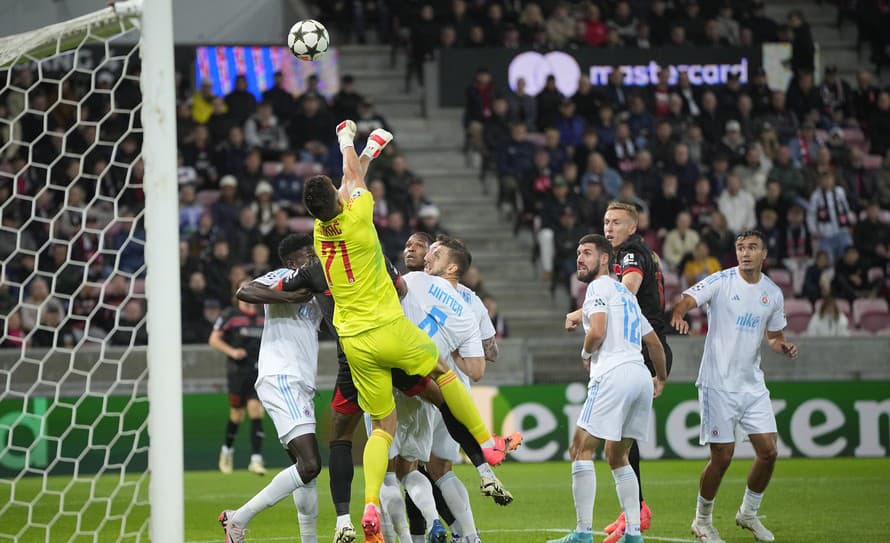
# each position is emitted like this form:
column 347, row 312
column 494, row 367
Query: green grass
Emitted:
column 808, row 501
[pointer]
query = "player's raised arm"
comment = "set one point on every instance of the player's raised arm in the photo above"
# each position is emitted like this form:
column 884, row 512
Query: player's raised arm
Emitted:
column 258, row 293
column 354, row 168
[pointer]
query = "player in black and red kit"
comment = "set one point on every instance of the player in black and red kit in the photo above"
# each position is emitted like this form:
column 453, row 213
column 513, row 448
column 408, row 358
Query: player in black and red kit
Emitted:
column 639, row 269
column 236, row 334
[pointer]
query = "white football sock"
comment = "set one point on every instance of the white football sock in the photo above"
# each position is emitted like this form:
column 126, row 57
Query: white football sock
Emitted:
column 386, row 527
column 256, row 458
column 704, row 509
column 228, row 451
column 306, row 500
column 458, row 500
column 280, row 487
column 421, row 491
column 629, row 497
column 416, row 539
column 393, row 504
column 751, row 501
column 485, row 470
column 584, row 492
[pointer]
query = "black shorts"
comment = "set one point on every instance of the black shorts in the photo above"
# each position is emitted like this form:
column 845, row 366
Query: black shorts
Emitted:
column 668, row 355
column 345, row 398
column 241, row 380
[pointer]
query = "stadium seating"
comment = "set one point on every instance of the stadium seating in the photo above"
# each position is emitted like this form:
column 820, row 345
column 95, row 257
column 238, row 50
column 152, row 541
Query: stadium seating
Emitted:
column 798, row 313
column 782, row 279
column 843, row 305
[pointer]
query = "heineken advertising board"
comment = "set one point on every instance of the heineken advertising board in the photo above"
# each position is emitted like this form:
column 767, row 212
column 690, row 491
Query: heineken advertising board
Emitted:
column 815, row 419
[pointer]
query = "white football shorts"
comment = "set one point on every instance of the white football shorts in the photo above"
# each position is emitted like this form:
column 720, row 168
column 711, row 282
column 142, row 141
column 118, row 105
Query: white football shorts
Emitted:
column 619, row 404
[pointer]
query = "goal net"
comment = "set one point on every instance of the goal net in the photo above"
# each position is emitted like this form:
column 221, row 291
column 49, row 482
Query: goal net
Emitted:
column 74, row 352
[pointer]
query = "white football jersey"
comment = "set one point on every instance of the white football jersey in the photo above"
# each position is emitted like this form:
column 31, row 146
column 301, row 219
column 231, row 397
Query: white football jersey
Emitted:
column 739, row 314
column 625, row 325
column 486, row 328
column 434, row 306
column 290, row 336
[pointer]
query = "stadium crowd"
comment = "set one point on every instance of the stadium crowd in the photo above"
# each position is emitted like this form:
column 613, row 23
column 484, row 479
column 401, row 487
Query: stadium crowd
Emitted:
column 809, row 166
column 75, row 210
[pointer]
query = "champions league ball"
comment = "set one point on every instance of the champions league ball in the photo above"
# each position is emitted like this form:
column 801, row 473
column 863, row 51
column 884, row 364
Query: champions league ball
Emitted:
column 308, row 39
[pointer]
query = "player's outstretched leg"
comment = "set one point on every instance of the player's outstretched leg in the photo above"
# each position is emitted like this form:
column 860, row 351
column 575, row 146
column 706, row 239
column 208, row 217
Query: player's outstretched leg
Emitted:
column 618, row 526
column 758, row 479
column 419, row 488
column 583, row 487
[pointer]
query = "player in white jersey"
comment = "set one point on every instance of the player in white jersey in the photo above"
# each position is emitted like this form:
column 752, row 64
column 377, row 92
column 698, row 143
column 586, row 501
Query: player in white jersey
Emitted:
column 288, row 362
column 743, row 305
column 620, row 391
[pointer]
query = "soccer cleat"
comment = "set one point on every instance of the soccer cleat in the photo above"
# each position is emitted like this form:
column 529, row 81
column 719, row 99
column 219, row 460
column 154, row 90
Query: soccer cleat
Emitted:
column 377, row 140
column 645, row 517
column 371, row 524
column 631, row 539
column 345, row 534
column 751, row 522
column 574, row 537
column 437, row 533
column 616, row 535
column 502, row 445
column 456, row 537
column 257, row 466
column 226, row 462
column 491, row 486
column 234, row 534
column 619, row 523
column 705, row 532
column 471, row 539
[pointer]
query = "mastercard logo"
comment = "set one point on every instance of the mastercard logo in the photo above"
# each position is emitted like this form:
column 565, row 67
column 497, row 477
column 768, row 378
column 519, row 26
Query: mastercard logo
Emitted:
column 535, row 67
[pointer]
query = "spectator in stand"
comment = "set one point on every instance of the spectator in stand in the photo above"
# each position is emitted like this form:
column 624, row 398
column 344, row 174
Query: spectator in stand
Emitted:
column 678, row 37
column 560, row 25
column 220, row 121
column 615, row 93
column 592, row 206
column 495, row 23
column 259, row 261
column 460, row 20
column 514, row 162
column 702, row 205
column 397, row 180
column 623, row 151
column 241, row 103
column 836, row 96
column 700, row 151
column 263, row 130
column 566, row 245
column 628, row 195
column 570, row 125
column 264, row 207
column 679, row 242
column 366, row 121
column 201, row 241
column 720, row 240
column 422, row 39
column 502, row 330
column 202, row 102
column 53, row 330
column 523, row 107
column 753, row 172
column 818, row 277
column 245, row 236
column 640, row 121
column 659, row 19
column 596, row 29
column 803, row 98
column 865, row 97
column 623, row 22
column 806, row 145
column 447, row 38
column 775, row 200
column 394, row 236
column 415, row 200
column 646, row 179
column 605, row 126
column 479, row 101
column 346, row 102
column 822, row 165
column 701, row 265
column 312, row 91
column 193, row 296
column 781, row 118
column 547, row 104
column 666, row 205
column 281, row 100
column 828, row 320
column 802, row 48
column 772, row 237
column 495, row 132
column 216, row 270
column 763, row 28
column 280, row 230
column 131, row 325
column 860, row 182
column 796, row 247
column 230, row 154
column 199, row 155
column 687, row 172
column 598, row 171
column 531, row 21
column 551, row 209
column 589, row 145
column 381, row 206
column 428, row 221
column 659, row 94
column 737, row 206
column 850, row 276
column 227, row 208
column 788, row 175
column 37, row 302
column 288, row 185
column 830, row 219
column 732, row 145
column 251, row 176
column 311, row 124
column 13, row 337
column 189, row 210
column 872, row 237
column 879, row 126
column 662, row 145
column 727, row 26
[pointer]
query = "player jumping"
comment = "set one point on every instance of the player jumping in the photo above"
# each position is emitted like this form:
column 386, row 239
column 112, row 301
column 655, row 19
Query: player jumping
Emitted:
column 374, row 333
column 288, row 362
column 743, row 305
column 620, row 392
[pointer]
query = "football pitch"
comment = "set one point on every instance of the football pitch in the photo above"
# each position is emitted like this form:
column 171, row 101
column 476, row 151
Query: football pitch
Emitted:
column 809, row 501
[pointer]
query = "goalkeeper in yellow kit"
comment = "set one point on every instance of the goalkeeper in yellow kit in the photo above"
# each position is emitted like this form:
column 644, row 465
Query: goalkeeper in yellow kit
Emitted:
column 374, row 332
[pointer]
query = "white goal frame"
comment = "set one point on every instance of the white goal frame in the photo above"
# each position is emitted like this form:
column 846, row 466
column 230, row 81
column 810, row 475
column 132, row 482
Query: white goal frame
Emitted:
column 164, row 356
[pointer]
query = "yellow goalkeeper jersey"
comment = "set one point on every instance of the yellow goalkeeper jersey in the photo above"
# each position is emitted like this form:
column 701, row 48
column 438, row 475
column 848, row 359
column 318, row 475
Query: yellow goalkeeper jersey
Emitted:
column 349, row 250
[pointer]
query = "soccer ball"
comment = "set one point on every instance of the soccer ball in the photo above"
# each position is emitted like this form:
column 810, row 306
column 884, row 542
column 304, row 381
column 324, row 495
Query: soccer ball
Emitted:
column 308, row 39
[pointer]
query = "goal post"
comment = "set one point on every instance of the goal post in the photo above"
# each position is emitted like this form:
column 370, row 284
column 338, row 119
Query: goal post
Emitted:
column 91, row 444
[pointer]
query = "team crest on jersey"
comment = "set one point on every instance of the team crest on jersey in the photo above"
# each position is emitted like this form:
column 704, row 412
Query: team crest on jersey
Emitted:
column 764, row 299
column 629, row 260
column 356, row 193
column 715, row 432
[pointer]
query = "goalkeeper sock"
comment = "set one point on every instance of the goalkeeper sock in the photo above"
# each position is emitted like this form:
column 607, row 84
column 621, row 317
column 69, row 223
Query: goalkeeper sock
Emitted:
column 375, row 461
column 461, row 404
column 256, row 436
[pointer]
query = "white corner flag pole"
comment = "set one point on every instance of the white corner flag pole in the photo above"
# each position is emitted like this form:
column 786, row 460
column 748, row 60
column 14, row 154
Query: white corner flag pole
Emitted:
column 165, row 456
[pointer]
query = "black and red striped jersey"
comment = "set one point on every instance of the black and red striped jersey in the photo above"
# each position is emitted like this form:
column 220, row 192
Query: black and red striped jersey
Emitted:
column 242, row 331
column 635, row 256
